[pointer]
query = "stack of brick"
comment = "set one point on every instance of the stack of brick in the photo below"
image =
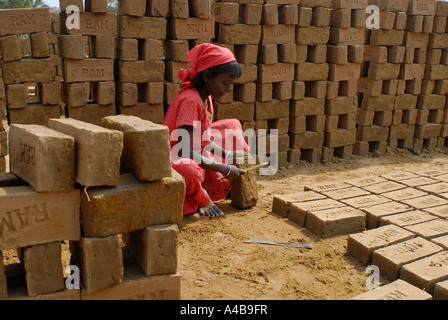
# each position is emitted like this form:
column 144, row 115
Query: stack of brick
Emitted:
column 237, row 25
column 53, row 42
column 432, row 101
column 88, row 54
column 32, row 94
column 307, row 108
column 3, row 145
column 379, row 86
column 345, row 56
column 82, row 196
column 140, row 66
column 189, row 24
column 420, row 22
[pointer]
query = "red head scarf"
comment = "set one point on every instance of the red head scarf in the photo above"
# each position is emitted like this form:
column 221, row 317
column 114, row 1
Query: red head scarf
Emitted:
column 202, row 57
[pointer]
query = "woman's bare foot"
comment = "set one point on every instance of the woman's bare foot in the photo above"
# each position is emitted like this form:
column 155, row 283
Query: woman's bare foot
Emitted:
column 211, row 210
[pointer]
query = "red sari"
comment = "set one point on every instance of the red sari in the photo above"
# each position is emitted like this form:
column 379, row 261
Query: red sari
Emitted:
column 202, row 186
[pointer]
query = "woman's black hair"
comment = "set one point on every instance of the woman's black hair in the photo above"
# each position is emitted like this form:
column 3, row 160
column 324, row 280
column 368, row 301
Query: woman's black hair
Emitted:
column 233, row 68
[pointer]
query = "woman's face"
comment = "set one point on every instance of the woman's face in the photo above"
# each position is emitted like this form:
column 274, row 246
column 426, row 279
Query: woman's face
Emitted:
column 219, row 85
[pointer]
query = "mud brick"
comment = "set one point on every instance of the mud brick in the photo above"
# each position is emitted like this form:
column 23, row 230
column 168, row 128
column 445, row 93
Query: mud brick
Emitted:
column 33, row 114
column 383, row 187
column 317, row 53
column 287, row 52
column 55, row 214
column 335, row 221
column 422, row 7
column 400, row 20
column 385, row 71
column 435, row 188
column 405, row 101
column 383, row 37
column 436, row 72
column 103, row 47
column 249, row 73
column 414, row 23
column 32, row 157
column 362, row 245
column 127, row 94
column 316, row 89
column 19, row 21
column 298, row 211
column 431, row 172
column 16, row 96
column 136, row 285
column 420, row 181
column 413, row 86
column 430, row 229
column 179, row 9
column 272, row 110
column 267, row 53
column 339, row 138
column 28, row 71
column 364, row 201
column 311, row 71
column 297, row 125
column 141, row 71
column 307, row 106
column 130, row 27
column 441, row 87
column 440, row 211
column 3, row 143
column 155, row 248
column 401, row 131
column 391, row 259
column 144, row 110
column 397, row 290
column 200, row 8
column 226, row 12
column 99, row 6
column 75, row 94
column 350, row 4
column 43, row 268
column 175, row 50
column 441, row 241
column 305, row 16
column 321, row 17
column 370, row 87
column 327, row 186
column 332, row 90
column 434, row 56
column 10, row 46
column 107, row 211
column 239, row 110
column 104, row 92
column 390, row 87
column 100, row 261
column 50, row 93
column 403, row 194
column 365, row 181
column 395, row 54
column 312, row 35
column 425, row 202
column 71, row 46
column 246, row 54
column 281, row 203
column 275, row 72
column 337, row 54
column 377, row 54
column 239, row 34
column 428, row 24
column 405, row 219
column 342, row 72
column 91, row 70
column 439, row 25
column 314, row 123
column 151, row 92
column 172, row 70
column 308, row 140
column 340, row 18
column 39, row 45
column 438, row 41
column 428, row 87
column 101, row 169
column 356, row 54
column 379, row 103
column 269, row 14
column 282, row 90
column 430, row 130
column 412, row 71
column 346, row 36
column 415, row 40
column 132, row 8
column 425, row 273
column 137, row 157
column 92, row 24
column 345, row 193
column 250, row 13
column 63, row 4
column 387, row 20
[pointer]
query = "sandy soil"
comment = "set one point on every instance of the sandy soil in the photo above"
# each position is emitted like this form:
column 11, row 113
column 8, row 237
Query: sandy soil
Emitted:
column 215, row 263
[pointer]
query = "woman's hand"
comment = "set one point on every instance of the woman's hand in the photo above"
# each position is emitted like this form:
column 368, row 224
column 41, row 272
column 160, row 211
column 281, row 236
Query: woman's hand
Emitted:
column 232, row 172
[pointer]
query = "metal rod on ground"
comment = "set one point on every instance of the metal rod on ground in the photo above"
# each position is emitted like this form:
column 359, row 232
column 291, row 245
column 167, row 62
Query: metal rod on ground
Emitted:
column 297, row 245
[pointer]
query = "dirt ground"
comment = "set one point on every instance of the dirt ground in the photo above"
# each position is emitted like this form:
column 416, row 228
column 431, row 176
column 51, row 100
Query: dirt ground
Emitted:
column 215, row 263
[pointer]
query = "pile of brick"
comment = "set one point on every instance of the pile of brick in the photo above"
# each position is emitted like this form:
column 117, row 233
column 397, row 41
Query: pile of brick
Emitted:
column 32, row 91
column 112, row 197
column 88, row 54
column 140, row 54
column 405, row 214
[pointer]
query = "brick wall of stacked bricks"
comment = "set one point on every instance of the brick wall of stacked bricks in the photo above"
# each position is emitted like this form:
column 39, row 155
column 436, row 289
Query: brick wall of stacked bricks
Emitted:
column 76, row 183
column 396, row 222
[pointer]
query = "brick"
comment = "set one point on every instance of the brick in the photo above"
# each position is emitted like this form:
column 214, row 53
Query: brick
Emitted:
column 19, row 21
column 127, row 94
column 141, row 71
column 33, row 114
column 377, row 54
column 88, row 70
column 3, row 285
column 193, row 28
column 405, row 101
column 275, row 72
column 43, row 268
column 136, row 285
column 379, row 103
column 365, row 181
column 391, row 259
column 362, row 245
column 435, row 188
column 375, row 212
column 343, row 72
column 151, row 92
column 63, row 4
column 240, row 110
column 436, row 72
column 104, row 92
column 351, row 4
column 406, row 219
column 422, row 7
column 370, row 87
column 397, row 290
column 92, row 24
column 137, row 157
column 54, row 214
column 298, row 211
column 305, row 16
column 281, row 203
column 100, row 261
column 430, row 229
column 244, row 191
column 383, row 37
column 346, row 36
column 28, row 71
column 328, row 186
column 312, row 35
column 106, row 212
column 272, row 110
column 75, row 94
column 440, row 211
column 340, row 17
column 32, row 157
column 425, row 202
column 93, row 168
column 155, row 248
column 335, row 221
column 384, row 71
column 415, row 182
column 50, row 93
column 10, row 46
column 226, row 12
column 71, row 46
column 144, row 110
column 311, row 71
column 130, row 27
column 277, row 34
column 345, row 193
column 365, row 201
column 239, row 34
column 39, row 45
column 406, row 193
column 103, row 47
column 288, row 14
column 245, row 92
column 16, row 96
column 98, row 6
column 132, row 8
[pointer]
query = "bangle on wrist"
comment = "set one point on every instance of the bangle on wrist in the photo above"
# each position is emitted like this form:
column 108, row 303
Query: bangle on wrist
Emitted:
column 230, row 170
